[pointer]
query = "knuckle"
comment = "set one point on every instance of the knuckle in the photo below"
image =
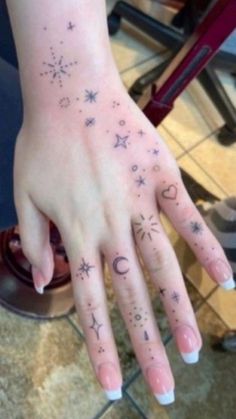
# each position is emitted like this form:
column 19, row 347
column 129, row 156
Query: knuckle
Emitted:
column 160, row 261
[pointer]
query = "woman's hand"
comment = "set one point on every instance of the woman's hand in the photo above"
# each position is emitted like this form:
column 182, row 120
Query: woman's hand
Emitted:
column 98, row 169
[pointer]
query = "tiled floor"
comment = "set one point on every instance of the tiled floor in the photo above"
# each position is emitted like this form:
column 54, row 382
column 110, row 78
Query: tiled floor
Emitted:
column 44, row 367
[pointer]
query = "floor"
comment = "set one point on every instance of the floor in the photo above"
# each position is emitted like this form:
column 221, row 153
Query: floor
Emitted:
column 44, row 367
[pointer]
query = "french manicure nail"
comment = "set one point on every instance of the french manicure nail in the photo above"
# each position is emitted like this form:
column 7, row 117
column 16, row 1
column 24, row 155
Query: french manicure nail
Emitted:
column 110, row 381
column 161, row 384
column 222, row 272
column 39, row 280
column 187, row 344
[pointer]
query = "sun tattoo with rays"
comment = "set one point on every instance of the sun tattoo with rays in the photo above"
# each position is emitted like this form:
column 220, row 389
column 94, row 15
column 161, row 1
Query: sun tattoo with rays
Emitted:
column 146, row 227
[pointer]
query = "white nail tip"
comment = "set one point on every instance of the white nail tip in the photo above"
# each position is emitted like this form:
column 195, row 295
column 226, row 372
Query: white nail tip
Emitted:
column 228, row 285
column 166, row 398
column 114, row 394
column 40, row 290
column 190, row 357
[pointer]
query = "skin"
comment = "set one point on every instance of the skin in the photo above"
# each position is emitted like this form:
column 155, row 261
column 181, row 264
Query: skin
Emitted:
column 103, row 184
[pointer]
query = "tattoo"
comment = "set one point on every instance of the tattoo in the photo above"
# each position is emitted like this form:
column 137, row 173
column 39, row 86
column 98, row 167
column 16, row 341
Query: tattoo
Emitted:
column 146, row 337
column 140, row 181
column 162, row 291
column 149, row 226
column 137, row 317
column 90, row 96
column 64, row 102
column 156, row 168
column 121, row 141
column 70, row 26
column 175, row 297
column 122, row 122
column 115, row 104
column 95, row 326
column 154, row 151
column 141, row 133
column 170, row 192
column 196, row 227
column 116, row 268
column 84, row 268
column 89, row 122
column 101, row 350
column 134, row 168
column 56, row 69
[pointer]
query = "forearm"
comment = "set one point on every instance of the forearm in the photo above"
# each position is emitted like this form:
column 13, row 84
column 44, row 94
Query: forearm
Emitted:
column 60, row 46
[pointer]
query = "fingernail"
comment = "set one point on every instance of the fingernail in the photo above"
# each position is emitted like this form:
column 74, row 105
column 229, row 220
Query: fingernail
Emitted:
column 187, row 344
column 110, row 381
column 39, row 280
column 161, row 384
column 222, row 272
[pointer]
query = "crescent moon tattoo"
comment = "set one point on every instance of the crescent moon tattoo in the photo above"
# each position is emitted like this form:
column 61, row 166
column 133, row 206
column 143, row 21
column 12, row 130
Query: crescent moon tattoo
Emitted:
column 116, row 263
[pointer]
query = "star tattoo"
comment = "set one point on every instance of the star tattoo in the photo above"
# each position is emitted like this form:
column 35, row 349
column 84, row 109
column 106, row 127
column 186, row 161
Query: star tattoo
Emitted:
column 85, row 267
column 175, row 297
column 154, row 151
column 70, row 26
column 95, row 326
column 140, row 181
column 90, row 96
column 57, row 68
column 196, row 227
column 141, row 133
column 121, row 141
column 89, row 122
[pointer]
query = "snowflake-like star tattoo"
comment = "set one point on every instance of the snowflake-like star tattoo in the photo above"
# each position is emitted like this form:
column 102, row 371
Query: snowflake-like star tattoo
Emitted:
column 154, row 151
column 85, row 267
column 90, row 96
column 89, row 122
column 175, row 297
column 121, row 141
column 140, row 181
column 196, row 227
column 57, row 68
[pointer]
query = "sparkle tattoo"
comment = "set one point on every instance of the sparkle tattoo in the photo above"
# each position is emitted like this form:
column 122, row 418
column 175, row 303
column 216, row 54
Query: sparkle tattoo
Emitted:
column 89, row 122
column 84, row 268
column 140, row 181
column 137, row 316
column 96, row 326
column 170, row 192
column 196, row 227
column 90, row 96
column 154, row 151
column 146, row 227
column 141, row 133
column 57, row 69
column 70, row 26
column 121, row 141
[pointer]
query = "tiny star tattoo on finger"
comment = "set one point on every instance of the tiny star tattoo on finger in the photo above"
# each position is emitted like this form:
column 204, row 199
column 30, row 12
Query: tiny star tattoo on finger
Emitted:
column 84, row 268
column 196, row 227
column 121, row 141
column 141, row 133
column 175, row 297
column 70, row 26
column 96, row 326
column 140, row 181
column 90, row 96
column 146, row 227
column 89, row 122
column 154, row 151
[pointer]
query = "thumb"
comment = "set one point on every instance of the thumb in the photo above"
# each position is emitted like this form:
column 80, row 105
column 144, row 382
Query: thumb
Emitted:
column 35, row 240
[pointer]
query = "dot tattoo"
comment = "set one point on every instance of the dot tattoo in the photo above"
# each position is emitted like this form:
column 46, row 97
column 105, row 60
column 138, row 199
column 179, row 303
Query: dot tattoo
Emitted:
column 146, row 336
column 57, row 69
column 146, row 227
column 140, row 181
column 162, row 291
column 134, row 168
column 117, row 265
column 196, row 227
column 137, row 317
column 70, row 26
column 122, row 122
column 96, row 326
column 89, row 122
column 141, row 133
column 84, row 268
column 175, row 297
column 90, row 96
column 115, row 104
column 64, row 102
column 121, row 141
column 101, row 350
column 170, row 192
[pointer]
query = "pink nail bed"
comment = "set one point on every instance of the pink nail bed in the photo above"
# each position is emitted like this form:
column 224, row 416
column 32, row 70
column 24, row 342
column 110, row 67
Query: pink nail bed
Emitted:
column 187, row 344
column 221, row 271
column 108, row 377
column 159, row 380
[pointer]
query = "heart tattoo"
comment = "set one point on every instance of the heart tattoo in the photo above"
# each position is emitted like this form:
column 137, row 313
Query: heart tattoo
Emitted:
column 170, row 192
